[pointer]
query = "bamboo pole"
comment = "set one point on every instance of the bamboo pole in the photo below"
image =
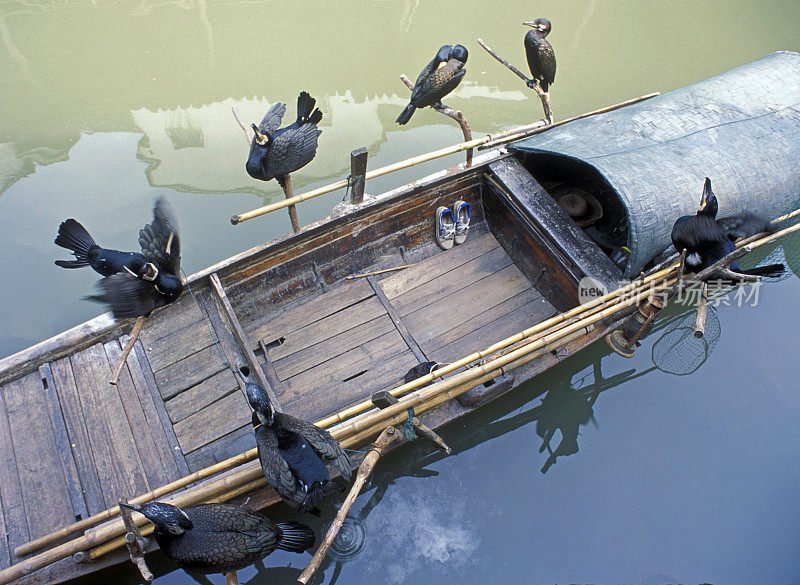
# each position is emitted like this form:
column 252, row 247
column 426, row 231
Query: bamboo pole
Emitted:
column 126, row 351
column 456, row 115
column 494, row 140
column 388, row 437
column 702, row 311
column 347, row 413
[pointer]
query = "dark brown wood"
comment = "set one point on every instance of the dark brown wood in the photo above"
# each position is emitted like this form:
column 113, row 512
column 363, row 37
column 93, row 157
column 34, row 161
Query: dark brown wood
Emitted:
column 268, row 368
column 179, row 344
column 146, row 383
column 70, row 470
column 15, row 524
column 201, row 395
column 41, row 478
column 119, row 466
column 358, row 168
column 183, row 374
column 151, row 447
column 207, row 424
column 398, row 323
column 64, row 382
column 241, row 338
column 162, row 323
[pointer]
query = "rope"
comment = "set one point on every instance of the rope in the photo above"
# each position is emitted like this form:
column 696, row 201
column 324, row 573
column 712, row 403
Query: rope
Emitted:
column 347, row 187
column 408, row 428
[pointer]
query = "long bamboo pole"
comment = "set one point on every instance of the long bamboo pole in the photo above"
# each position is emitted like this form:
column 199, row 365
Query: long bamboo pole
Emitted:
column 410, row 162
column 347, row 413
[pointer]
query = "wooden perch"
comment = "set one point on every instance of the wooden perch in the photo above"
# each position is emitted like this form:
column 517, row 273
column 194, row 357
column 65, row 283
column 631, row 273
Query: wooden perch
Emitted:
column 135, row 542
column 702, row 311
column 531, row 83
column 720, row 268
column 387, row 438
column 137, row 329
column 450, row 113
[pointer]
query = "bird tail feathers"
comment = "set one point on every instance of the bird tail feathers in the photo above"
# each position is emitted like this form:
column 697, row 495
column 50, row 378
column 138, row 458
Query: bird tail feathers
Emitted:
column 317, row 492
column 73, row 236
column 295, row 537
column 768, row 270
column 305, row 105
column 406, row 114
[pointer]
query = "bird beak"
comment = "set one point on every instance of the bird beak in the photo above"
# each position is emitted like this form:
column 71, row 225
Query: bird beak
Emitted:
column 706, row 191
column 442, row 64
column 134, row 507
column 260, row 138
column 530, row 24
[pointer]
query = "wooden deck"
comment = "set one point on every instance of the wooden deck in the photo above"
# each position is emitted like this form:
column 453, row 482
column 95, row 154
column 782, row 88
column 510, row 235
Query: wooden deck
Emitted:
column 72, row 445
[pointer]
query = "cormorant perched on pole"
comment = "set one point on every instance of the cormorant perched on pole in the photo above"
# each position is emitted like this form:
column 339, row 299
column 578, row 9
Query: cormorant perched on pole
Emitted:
column 275, row 153
column 441, row 76
column 707, row 239
column 220, row 538
column 541, row 58
column 292, row 451
column 133, row 293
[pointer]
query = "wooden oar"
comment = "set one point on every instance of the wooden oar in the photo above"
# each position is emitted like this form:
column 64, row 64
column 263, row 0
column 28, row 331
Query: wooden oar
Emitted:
column 137, row 329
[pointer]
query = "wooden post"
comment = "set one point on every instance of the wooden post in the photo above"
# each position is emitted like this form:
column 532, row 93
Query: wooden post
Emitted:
column 135, row 542
column 137, row 328
column 387, row 438
column 544, row 96
column 286, row 184
column 702, row 311
column 358, row 170
column 450, row 113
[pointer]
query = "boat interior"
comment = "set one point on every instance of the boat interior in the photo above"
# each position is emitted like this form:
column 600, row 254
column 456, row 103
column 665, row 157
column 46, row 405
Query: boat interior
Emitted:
column 324, row 321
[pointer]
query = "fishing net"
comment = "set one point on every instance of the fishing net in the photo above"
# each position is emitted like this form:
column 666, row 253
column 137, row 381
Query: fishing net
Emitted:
column 677, row 351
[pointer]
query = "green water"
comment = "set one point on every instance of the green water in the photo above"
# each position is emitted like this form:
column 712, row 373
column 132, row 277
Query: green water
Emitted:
column 107, row 105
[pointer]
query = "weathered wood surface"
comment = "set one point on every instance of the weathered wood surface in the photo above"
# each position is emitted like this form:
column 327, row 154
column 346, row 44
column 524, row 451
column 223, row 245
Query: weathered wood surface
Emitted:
column 41, row 477
column 15, row 524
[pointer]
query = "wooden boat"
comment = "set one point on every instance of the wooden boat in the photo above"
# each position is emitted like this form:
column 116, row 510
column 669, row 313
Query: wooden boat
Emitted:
column 319, row 322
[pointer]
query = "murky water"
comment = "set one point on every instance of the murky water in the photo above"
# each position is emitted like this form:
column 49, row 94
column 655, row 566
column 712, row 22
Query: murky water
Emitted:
column 107, row 105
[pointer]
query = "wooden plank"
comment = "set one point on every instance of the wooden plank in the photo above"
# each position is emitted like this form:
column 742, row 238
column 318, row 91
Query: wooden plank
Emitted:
column 398, row 323
column 102, row 407
column 459, row 278
column 41, row 477
column 229, row 445
column 179, row 344
column 201, row 395
column 68, row 466
column 207, row 424
column 441, row 263
column 502, row 327
column 538, row 305
column 450, row 311
column 5, row 554
column 320, row 401
column 287, row 319
column 189, row 371
column 340, row 370
column 15, row 524
column 269, row 370
column 242, row 343
column 330, row 326
column 144, row 379
column 70, row 401
column 358, row 168
column 155, row 459
column 166, row 321
column 332, row 347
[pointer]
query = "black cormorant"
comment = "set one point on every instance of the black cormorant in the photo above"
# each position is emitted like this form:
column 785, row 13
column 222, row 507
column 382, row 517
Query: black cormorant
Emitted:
column 133, row 295
column 707, row 239
column 541, row 58
column 274, row 153
column 291, row 452
column 220, row 538
column 441, row 76
column 73, row 236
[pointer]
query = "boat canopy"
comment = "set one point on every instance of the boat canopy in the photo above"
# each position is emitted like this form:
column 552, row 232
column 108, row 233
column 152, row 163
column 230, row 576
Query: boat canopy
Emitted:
column 740, row 128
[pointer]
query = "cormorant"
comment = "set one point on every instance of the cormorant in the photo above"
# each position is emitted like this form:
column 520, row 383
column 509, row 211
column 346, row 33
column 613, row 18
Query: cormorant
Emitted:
column 541, row 58
column 274, row 153
column 220, row 538
column 420, row 370
column 707, row 239
column 441, row 76
column 73, row 236
column 133, row 295
column 291, row 452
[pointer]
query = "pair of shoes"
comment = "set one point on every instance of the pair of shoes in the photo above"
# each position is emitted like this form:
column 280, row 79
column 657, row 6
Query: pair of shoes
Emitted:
column 452, row 225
